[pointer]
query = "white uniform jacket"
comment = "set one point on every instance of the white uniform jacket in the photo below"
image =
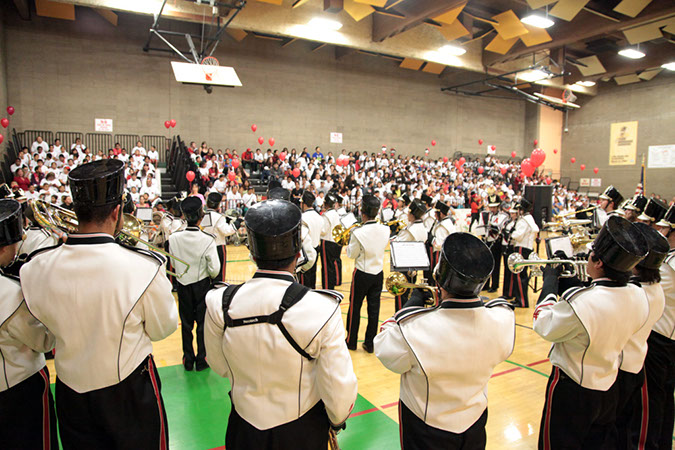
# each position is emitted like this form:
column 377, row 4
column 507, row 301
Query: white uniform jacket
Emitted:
column 635, row 351
column 413, row 232
column 272, row 384
column 198, row 249
column 589, row 328
column 447, row 390
column 35, row 239
column 314, row 224
column 105, row 316
column 495, row 225
column 331, row 219
column 524, row 232
column 442, row 230
column 219, row 228
column 508, row 228
column 170, row 224
column 23, row 339
column 666, row 324
column 402, row 215
column 366, row 246
column 429, row 219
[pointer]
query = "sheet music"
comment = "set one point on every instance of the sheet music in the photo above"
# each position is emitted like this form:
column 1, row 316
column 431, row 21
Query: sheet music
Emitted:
column 206, row 221
column 348, row 220
column 144, row 214
column 560, row 243
column 409, row 255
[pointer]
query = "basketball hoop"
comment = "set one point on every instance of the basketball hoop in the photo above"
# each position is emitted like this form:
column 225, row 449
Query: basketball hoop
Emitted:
column 209, row 65
column 568, row 96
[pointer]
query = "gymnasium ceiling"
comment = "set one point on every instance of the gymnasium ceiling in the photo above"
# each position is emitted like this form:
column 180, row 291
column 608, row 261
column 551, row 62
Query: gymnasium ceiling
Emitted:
column 582, row 44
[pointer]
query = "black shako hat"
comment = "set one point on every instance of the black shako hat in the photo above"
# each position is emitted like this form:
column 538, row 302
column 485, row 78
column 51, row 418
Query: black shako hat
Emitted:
column 524, row 205
column 308, row 199
column 370, row 205
column 417, row 208
column 273, row 228
column 658, row 247
column 619, row 244
column 638, row 203
column 331, row 199
column 213, row 200
column 11, row 222
column 668, row 219
column 192, row 208
column 279, row 194
column 442, row 207
column 426, row 199
column 654, row 211
column 129, row 206
column 611, row 193
column 464, row 266
column 98, row 183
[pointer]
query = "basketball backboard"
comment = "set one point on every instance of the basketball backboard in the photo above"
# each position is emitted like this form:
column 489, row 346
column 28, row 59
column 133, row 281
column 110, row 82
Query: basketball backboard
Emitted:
column 205, row 74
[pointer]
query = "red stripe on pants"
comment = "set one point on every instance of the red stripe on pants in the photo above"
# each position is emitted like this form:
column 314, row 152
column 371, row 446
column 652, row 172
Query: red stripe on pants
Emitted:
column 644, row 424
column 46, row 443
column 549, row 400
column 155, row 387
column 351, row 306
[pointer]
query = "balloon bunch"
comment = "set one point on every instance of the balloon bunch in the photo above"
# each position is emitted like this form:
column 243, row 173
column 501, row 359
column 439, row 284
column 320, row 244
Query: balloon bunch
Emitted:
column 170, row 123
column 261, row 140
column 5, row 121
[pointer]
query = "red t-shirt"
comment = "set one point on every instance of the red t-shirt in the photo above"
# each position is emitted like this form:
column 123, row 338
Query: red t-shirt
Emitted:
column 474, row 206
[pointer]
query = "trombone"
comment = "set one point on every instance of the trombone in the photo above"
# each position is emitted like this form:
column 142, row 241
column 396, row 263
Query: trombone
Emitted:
column 571, row 213
column 397, row 284
column 341, row 235
column 54, row 217
column 516, row 264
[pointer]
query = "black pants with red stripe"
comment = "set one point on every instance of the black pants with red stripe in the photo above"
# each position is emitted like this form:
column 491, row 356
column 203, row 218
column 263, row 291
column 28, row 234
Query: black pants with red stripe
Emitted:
column 364, row 285
column 507, row 288
column 417, row 435
column 309, row 432
column 127, row 415
column 192, row 309
column 222, row 256
column 520, row 281
column 433, row 259
column 496, row 250
column 308, row 278
column 575, row 417
column 330, row 254
column 338, row 273
column 629, row 411
column 658, row 389
column 400, row 300
column 27, row 419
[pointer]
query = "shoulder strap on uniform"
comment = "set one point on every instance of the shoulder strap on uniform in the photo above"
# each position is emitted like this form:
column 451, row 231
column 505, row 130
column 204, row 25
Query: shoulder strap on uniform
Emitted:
column 500, row 301
column 228, row 293
column 410, row 311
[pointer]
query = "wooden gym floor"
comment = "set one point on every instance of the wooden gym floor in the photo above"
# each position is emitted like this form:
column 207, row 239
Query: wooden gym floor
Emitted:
column 198, row 405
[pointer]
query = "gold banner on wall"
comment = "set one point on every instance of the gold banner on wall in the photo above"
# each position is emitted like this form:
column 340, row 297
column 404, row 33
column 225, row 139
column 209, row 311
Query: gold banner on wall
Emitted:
column 623, row 143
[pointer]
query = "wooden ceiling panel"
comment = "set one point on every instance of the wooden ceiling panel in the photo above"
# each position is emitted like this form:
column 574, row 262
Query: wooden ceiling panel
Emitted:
column 627, row 79
column 536, row 4
column 643, row 34
column 56, row 10
column 535, row 36
column 567, row 9
column 357, row 10
column 593, row 66
column 378, row 3
column 273, row 2
column 500, row 45
column 509, row 25
column 454, row 31
column 411, row 63
column 650, row 73
column 436, row 68
column 631, row 8
column 237, row 34
column 451, row 16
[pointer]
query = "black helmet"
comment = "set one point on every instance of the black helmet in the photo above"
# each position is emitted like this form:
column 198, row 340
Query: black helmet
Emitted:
column 464, row 266
column 192, row 208
column 668, row 219
column 370, row 205
column 442, row 207
column 658, row 247
column 619, row 244
column 638, row 203
column 279, row 193
column 98, row 183
column 11, row 222
column 213, row 200
column 417, row 208
column 307, row 199
column 612, row 194
column 654, row 211
column 273, row 228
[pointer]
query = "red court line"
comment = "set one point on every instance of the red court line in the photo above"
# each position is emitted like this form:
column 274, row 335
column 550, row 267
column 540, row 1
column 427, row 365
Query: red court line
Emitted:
column 537, row 362
column 505, row 372
column 360, row 413
column 389, row 405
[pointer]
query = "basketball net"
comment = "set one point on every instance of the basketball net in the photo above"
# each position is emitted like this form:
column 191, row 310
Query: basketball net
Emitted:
column 568, row 96
column 209, row 66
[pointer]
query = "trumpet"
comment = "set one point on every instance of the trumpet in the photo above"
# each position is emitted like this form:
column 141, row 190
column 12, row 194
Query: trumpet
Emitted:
column 341, row 235
column 54, row 217
column 397, row 284
column 571, row 213
column 516, row 264
column 396, row 226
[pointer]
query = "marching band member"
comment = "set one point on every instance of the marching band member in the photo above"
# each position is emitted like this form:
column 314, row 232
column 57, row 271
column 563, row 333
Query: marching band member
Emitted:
column 27, row 418
column 35, row 237
column 330, row 251
column 659, row 384
column 366, row 246
column 221, row 228
column 172, row 222
column 610, row 200
column 402, row 209
column 589, row 327
column 429, row 218
column 443, row 401
column 631, row 376
column 312, row 224
column 524, row 232
column 197, row 248
column 654, row 211
column 282, row 342
column 443, row 228
column 635, row 207
column 507, row 287
column 104, row 320
column 413, row 232
column 493, row 237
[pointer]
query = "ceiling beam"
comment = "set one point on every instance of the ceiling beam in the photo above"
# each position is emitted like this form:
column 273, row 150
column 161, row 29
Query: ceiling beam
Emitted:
column 585, row 26
column 24, row 9
column 414, row 11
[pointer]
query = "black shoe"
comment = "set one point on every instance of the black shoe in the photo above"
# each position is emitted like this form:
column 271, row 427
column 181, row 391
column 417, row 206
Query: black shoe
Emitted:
column 350, row 347
column 490, row 291
column 202, row 365
column 367, row 347
column 188, row 364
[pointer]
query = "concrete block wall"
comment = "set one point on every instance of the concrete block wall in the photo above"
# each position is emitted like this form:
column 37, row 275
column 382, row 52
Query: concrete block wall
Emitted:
column 65, row 74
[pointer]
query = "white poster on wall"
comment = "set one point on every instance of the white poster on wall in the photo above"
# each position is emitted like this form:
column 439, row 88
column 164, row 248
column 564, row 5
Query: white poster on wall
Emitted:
column 336, row 138
column 103, row 125
column 661, row 157
column 491, row 150
column 596, row 182
column 584, row 182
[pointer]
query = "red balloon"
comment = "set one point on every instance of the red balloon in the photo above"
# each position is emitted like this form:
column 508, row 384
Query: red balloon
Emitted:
column 271, row 141
column 493, row 147
column 172, row 122
column 536, row 142
column 582, row 167
column 167, row 124
column 480, row 142
column 261, row 140
column 2, row 138
column 282, row 155
column 503, row 170
column 513, row 154
column 190, row 176
column 235, row 163
column 254, row 127
column 548, row 180
column 527, row 167
column 10, row 110
column 296, row 172
column 4, row 122
column 595, row 169
column 573, row 160
column 537, row 157
column 460, row 170
column 462, row 160
column 480, row 170
column 555, row 151
column 433, row 143
column 445, row 159
column 457, row 164
column 231, row 176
